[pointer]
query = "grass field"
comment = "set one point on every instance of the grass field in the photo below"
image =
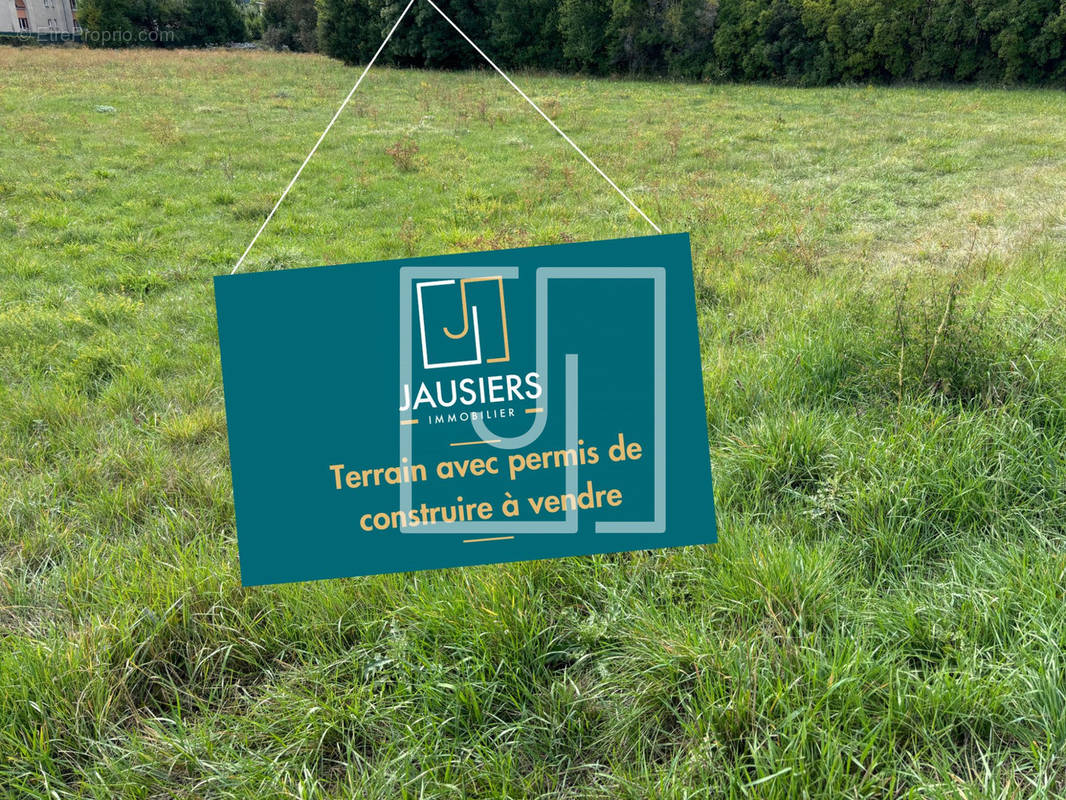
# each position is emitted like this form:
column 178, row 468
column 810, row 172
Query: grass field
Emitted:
column 881, row 277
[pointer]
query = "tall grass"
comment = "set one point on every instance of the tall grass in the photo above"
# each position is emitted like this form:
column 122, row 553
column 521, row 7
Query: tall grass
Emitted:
column 880, row 283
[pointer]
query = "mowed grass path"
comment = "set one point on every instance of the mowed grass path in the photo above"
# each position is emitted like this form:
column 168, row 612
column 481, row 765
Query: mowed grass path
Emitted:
column 880, row 281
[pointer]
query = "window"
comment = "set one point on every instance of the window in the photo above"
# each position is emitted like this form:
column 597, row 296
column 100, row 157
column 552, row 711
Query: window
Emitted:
column 20, row 12
column 73, row 5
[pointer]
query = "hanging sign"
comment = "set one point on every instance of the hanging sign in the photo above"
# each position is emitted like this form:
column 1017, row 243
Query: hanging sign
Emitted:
column 465, row 409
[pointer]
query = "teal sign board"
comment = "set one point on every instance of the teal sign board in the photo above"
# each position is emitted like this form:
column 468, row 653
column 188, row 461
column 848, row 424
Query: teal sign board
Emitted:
column 465, row 409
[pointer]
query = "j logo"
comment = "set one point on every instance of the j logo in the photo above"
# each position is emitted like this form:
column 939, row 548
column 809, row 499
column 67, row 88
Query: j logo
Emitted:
column 463, row 322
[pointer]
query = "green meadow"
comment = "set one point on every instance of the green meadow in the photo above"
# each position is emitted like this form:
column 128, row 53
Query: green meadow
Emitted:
column 881, row 290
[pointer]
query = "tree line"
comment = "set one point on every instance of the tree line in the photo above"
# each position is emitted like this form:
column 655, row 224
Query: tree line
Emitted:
column 165, row 23
column 806, row 42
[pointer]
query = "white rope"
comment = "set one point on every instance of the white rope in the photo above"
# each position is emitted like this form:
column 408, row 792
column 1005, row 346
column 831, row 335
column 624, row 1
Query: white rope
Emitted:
column 492, row 64
column 323, row 136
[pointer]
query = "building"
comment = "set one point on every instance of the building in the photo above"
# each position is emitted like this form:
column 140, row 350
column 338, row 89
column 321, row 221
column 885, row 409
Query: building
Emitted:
column 39, row 17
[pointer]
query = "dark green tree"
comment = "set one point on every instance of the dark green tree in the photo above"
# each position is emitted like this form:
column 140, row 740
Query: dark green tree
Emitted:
column 292, row 24
column 426, row 39
column 211, row 22
column 1023, row 37
column 526, row 33
column 583, row 26
column 349, row 30
column 123, row 23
